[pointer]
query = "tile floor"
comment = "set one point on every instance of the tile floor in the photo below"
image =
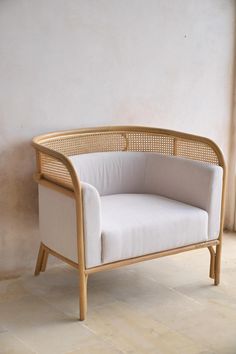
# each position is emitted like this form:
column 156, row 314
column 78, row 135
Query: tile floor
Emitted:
column 165, row 306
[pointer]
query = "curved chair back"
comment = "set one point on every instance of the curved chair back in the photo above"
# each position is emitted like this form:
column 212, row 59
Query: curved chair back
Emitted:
column 118, row 138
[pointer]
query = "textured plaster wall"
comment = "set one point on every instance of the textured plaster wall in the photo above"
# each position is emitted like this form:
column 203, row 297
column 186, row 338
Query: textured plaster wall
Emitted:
column 73, row 63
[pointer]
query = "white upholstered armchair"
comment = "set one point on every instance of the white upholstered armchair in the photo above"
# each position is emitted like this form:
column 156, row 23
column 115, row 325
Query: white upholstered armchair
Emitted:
column 114, row 196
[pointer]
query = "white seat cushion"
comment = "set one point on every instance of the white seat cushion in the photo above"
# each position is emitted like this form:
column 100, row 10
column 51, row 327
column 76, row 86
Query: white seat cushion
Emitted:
column 139, row 224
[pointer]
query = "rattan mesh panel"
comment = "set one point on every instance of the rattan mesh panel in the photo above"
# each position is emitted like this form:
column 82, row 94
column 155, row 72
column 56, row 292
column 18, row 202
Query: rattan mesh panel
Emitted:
column 84, row 143
column 55, row 171
column 162, row 144
column 196, row 150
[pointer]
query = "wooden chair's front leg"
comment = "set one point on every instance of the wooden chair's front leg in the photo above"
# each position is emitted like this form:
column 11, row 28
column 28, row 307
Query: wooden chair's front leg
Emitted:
column 83, row 281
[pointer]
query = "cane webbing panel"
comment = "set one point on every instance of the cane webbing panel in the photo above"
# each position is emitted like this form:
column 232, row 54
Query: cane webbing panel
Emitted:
column 87, row 143
column 196, row 151
column 82, row 143
column 150, row 143
column 55, row 171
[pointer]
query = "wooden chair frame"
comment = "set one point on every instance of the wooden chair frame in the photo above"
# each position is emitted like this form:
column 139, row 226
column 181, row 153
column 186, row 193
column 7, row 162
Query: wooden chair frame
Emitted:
column 55, row 171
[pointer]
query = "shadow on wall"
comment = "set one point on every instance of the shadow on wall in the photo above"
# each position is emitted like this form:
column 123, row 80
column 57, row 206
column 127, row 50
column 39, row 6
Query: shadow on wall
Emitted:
column 18, row 207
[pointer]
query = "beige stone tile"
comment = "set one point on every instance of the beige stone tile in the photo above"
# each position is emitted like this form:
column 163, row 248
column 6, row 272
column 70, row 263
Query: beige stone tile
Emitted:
column 207, row 352
column 175, row 343
column 68, row 301
column 124, row 328
column 166, row 306
column 129, row 284
column 54, row 279
column 59, row 287
column 196, row 320
column 12, row 290
column 9, row 344
column 223, row 294
column 181, row 269
column 2, row 329
column 133, row 332
column 43, row 328
column 96, row 346
column 215, row 328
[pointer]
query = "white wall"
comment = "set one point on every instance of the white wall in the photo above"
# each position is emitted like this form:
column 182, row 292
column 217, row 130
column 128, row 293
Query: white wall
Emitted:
column 77, row 63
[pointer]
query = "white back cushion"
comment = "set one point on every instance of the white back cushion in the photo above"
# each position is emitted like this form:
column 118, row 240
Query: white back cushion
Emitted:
column 188, row 181
column 112, row 172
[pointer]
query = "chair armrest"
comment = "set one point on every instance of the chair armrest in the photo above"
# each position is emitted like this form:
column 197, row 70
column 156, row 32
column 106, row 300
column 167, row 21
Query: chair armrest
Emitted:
column 191, row 182
column 57, row 221
column 92, row 224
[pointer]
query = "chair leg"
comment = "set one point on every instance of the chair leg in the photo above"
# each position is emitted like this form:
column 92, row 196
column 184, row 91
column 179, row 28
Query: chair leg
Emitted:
column 217, row 264
column 39, row 262
column 212, row 262
column 44, row 261
column 83, row 280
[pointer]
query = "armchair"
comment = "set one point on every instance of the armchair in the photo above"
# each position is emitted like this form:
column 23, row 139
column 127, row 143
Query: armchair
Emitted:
column 114, row 196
